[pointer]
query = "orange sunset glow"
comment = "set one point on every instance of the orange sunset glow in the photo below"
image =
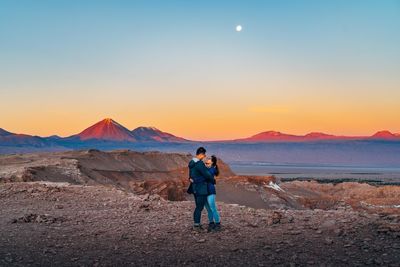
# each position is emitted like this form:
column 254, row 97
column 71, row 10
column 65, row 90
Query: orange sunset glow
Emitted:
column 221, row 121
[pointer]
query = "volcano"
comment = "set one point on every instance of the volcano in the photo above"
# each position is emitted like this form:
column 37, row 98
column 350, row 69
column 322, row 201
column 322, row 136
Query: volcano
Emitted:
column 154, row 134
column 107, row 129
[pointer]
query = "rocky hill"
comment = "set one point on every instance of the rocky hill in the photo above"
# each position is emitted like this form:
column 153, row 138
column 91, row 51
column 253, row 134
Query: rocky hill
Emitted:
column 140, row 172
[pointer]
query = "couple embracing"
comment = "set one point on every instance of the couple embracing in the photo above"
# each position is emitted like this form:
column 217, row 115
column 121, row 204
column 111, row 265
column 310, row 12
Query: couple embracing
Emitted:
column 202, row 173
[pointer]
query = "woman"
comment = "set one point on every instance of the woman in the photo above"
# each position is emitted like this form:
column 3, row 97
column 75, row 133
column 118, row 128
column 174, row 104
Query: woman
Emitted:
column 213, row 215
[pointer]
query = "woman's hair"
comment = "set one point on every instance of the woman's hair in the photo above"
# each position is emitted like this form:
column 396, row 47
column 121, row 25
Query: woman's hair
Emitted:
column 214, row 164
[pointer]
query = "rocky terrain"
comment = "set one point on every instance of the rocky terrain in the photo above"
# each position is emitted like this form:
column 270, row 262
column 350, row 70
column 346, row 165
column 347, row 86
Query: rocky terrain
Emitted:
column 73, row 225
column 93, row 208
column 165, row 174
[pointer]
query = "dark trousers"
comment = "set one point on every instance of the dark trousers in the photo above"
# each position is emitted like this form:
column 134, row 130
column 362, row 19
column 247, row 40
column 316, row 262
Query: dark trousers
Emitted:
column 200, row 202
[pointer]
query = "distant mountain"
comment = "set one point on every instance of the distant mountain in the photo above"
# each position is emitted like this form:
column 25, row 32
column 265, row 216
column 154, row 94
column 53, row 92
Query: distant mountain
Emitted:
column 154, row 134
column 274, row 136
column 106, row 129
column 23, row 140
column 385, row 135
column 18, row 140
column 54, row 137
column 4, row 132
column 270, row 136
column 109, row 134
column 318, row 135
column 110, row 130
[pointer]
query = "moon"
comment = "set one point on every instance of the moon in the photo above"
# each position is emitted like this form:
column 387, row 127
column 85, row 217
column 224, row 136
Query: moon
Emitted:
column 239, row 28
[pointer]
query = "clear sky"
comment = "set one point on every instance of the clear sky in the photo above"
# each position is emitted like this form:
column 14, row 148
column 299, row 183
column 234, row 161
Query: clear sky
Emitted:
column 297, row 66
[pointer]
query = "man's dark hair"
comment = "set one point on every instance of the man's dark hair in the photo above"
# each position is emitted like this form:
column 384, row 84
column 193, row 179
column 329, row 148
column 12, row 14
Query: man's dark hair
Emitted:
column 201, row 150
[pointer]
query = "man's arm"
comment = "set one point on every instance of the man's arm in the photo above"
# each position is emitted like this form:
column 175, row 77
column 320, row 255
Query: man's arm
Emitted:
column 205, row 172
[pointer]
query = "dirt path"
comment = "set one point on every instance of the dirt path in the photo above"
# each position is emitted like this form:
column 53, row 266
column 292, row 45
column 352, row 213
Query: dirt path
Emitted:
column 53, row 225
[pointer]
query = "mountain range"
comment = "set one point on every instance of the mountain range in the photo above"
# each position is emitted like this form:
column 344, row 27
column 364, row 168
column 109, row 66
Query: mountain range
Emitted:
column 270, row 136
column 110, row 131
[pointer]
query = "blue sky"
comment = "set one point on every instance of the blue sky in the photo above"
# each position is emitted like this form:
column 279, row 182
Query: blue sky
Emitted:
column 141, row 61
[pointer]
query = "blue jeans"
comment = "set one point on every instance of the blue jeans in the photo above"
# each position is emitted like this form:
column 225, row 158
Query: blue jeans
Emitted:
column 200, row 202
column 211, row 206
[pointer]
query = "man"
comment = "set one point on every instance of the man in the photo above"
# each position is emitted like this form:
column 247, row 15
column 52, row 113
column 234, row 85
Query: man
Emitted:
column 199, row 176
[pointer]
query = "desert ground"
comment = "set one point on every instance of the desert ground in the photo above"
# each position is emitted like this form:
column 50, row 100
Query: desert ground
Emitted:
column 94, row 208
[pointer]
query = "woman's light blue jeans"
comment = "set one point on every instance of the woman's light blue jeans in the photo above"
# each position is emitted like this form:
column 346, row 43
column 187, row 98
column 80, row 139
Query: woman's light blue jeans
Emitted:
column 212, row 212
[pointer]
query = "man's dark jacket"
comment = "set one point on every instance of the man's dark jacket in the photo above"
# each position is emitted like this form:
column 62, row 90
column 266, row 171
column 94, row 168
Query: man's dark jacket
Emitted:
column 200, row 175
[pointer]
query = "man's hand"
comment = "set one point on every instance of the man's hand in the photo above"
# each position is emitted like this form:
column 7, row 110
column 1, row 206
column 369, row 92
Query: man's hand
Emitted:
column 191, row 180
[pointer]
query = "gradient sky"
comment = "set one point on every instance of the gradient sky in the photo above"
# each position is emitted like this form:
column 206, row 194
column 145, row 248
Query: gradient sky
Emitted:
column 297, row 66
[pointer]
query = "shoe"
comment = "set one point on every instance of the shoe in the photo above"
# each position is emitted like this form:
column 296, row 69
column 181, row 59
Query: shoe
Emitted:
column 217, row 227
column 210, row 227
column 198, row 228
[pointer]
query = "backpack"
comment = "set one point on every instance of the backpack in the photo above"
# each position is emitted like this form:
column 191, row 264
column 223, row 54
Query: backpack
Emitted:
column 190, row 189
